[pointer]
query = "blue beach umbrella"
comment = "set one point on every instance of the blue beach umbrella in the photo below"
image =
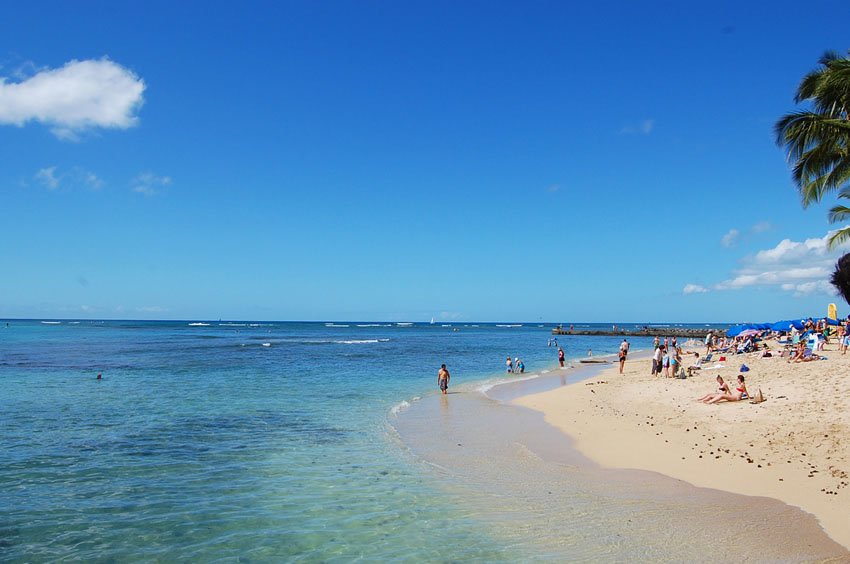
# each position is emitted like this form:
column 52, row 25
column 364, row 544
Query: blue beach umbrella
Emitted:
column 781, row 326
column 736, row 330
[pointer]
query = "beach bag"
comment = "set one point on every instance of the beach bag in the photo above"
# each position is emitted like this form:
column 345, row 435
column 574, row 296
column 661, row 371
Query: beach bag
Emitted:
column 745, row 368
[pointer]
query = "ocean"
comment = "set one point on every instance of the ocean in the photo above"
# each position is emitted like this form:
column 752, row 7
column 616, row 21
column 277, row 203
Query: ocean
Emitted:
column 257, row 441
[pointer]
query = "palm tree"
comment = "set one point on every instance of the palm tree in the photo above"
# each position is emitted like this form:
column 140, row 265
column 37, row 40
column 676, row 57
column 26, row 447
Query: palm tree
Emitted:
column 841, row 277
column 818, row 140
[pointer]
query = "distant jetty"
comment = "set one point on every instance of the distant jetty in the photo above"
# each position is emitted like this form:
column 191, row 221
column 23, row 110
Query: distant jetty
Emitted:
column 689, row 332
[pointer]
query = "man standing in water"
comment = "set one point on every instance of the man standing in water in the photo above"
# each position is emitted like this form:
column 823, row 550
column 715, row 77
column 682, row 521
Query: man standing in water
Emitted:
column 443, row 378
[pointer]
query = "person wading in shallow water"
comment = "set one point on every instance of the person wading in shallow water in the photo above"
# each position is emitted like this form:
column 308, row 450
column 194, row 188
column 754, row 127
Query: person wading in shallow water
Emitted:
column 561, row 357
column 443, row 378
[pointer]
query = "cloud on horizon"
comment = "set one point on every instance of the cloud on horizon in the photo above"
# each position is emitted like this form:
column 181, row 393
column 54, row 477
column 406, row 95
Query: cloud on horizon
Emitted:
column 78, row 97
column 799, row 267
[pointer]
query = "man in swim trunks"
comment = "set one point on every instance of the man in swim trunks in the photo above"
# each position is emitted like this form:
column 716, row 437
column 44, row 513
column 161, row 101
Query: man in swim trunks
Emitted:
column 443, row 378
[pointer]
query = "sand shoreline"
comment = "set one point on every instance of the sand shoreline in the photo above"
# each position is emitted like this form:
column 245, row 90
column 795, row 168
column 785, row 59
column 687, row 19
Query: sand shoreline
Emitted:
column 793, row 447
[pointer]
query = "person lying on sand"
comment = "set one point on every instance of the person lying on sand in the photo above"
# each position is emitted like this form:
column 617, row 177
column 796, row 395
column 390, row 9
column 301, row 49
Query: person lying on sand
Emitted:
column 723, row 389
column 738, row 394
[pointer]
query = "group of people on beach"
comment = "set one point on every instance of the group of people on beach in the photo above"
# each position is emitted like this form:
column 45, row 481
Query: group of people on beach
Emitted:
column 667, row 357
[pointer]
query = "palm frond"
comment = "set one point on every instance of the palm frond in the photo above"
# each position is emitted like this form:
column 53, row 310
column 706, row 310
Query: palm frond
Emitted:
column 838, row 214
column 841, row 277
column 838, row 237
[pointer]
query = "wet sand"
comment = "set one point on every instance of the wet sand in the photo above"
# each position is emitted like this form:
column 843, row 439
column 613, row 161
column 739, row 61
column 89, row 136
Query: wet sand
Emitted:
column 794, row 447
column 525, row 478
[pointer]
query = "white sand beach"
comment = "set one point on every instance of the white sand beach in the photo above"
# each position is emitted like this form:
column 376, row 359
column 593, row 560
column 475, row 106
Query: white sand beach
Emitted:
column 795, row 446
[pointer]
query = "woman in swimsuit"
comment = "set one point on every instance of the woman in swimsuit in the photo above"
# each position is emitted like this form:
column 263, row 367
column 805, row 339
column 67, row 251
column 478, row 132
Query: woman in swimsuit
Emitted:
column 675, row 363
column 723, row 386
column 739, row 393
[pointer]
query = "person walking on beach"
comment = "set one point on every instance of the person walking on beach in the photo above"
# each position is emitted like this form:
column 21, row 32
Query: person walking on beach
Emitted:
column 443, row 378
column 561, row 356
column 624, row 350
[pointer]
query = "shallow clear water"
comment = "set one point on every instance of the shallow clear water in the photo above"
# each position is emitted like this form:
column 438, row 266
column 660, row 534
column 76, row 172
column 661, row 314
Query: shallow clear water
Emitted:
column 263, row 441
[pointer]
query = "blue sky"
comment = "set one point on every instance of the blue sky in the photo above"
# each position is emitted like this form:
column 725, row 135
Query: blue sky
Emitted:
column 403, row 160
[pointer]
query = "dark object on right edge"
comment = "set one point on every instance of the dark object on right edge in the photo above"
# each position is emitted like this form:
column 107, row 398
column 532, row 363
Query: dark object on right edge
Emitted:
column 841, row 277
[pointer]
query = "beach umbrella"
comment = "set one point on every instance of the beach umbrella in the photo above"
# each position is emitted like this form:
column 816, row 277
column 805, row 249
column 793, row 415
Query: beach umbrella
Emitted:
column 736, row 330
column 781, row 326
column 799, row 324
column 831, row 321
column 748, row 332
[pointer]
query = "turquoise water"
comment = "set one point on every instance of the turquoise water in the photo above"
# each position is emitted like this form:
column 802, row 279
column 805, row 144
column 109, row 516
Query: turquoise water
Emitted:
column 264, row 441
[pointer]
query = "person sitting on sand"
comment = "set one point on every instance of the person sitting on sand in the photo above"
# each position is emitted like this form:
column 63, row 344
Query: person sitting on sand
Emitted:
column 807, row 355
column 738, row 394
column 723, row 389
column 695, row 366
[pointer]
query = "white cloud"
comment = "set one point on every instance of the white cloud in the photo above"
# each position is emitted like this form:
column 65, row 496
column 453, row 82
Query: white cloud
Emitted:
column 800, row 267
column 152, row 309
column 644, row 127
column 761, row 227
column 50, row 178
column 730, row 238
column 91, row 180
column 80, row 96
column 809, row 288
column 694, row 289
column 149, row 184
column 47, row 177
column 450, row 315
